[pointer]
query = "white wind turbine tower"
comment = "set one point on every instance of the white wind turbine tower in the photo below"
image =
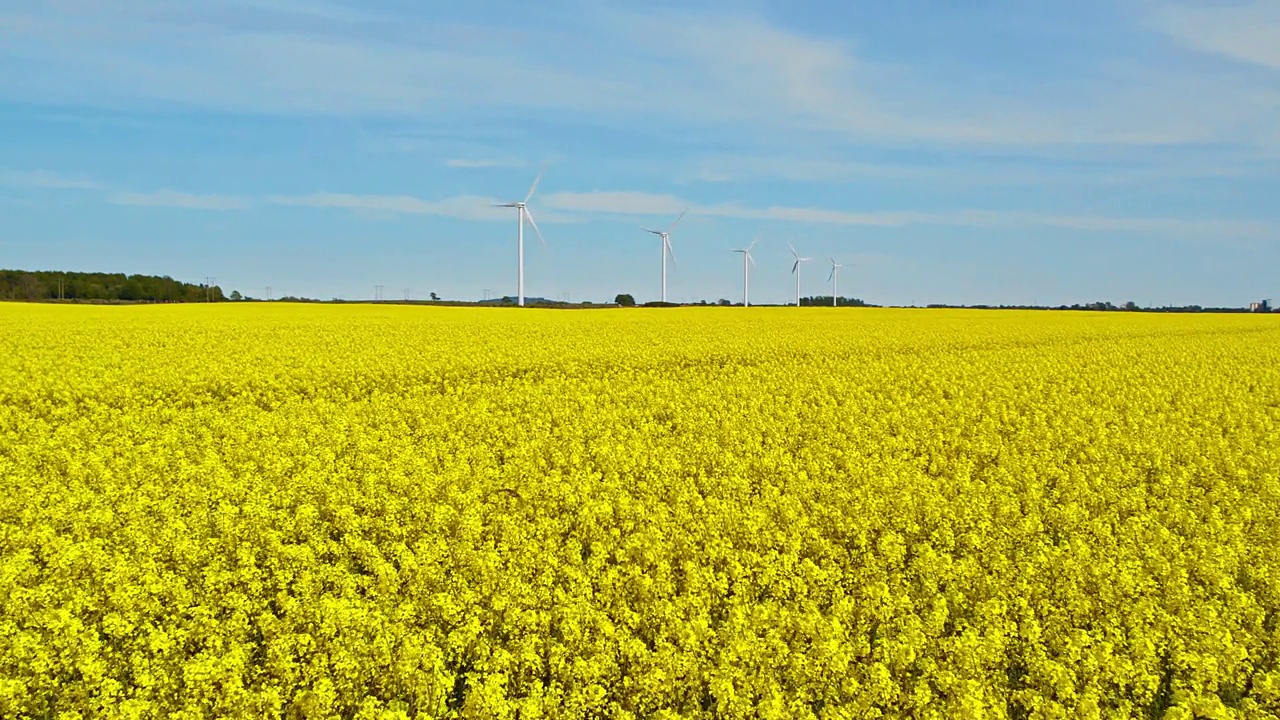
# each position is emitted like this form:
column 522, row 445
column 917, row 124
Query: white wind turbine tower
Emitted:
column 834, row 277
column 522, row 212
column 746, row 272
column 666, row 249
column 795, row 269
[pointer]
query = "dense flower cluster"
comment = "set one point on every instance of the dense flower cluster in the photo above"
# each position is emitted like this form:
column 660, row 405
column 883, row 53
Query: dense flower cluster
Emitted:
column 306, row 512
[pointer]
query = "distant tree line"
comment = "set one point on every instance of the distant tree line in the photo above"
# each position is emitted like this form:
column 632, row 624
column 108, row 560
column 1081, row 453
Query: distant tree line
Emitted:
column 1101, row 306
column 103, row 287
column 840, row 301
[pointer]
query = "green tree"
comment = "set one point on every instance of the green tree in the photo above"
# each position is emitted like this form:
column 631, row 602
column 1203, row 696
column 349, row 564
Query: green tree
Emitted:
column 44, row 285
column 625, row 300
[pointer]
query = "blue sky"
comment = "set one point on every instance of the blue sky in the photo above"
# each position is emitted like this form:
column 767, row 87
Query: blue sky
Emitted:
column 986, row 151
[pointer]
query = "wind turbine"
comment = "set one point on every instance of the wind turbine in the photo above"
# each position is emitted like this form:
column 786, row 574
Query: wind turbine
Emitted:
column 746, row 272
column 522, row 212
column 795, row 269
column 666, row 248
column 834, row 277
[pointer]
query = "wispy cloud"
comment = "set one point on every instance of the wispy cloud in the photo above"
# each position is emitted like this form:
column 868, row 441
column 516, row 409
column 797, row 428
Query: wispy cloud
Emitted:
column 175, row 199
column 461, row 207
column 1247, row 32
column 646, row 204
column 1180, row 227
column 741, row 167
column 968, row 172
column 48, row 180
column 730, row 72
column 575, row 207
column 615, row 202
column 45, row 179
column 464, row 163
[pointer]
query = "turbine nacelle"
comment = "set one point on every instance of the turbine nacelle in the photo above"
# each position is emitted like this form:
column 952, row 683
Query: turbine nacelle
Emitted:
column 746, row 251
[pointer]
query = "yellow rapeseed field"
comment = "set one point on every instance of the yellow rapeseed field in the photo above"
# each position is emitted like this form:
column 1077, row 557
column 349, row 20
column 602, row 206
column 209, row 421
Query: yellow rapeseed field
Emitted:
column 253, row 511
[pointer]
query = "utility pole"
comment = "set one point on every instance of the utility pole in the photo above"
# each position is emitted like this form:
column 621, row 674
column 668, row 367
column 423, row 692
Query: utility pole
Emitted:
column 268, row 292
column 208, row 288
column 487, row 291
column 377, row 293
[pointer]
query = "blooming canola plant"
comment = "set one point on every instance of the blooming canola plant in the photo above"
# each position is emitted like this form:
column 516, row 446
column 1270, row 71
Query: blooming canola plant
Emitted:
column 370, row 511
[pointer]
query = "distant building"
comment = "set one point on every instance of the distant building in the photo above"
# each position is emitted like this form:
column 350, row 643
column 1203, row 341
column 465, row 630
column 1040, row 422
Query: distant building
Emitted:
column 1263, row 306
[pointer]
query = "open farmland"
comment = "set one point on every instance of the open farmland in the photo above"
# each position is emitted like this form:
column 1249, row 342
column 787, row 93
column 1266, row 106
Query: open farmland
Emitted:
column 375, row 511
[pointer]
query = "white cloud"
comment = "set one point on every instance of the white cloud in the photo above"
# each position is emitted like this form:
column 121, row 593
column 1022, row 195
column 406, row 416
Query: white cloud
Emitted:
column 615, row 202
column 736, row 168
column 464, row 207
column 1182, row 227
column 641, row 203
column 175, row 199
column 45, row 179
column 739, row 66
column 1248, row 32
column 461, row 207
column 573, row 207
column 732, row 72
column 970, row 172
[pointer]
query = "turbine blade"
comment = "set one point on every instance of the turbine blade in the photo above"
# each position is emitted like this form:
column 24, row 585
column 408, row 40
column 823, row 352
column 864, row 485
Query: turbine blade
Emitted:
column 671, row 253
column 677, row 220
column 655, row 232
column 795, row 267
column 535, row 227
column 505, row 205
column 751, row 260
column 534, row 186
column 833, row 274
column 793, row 249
